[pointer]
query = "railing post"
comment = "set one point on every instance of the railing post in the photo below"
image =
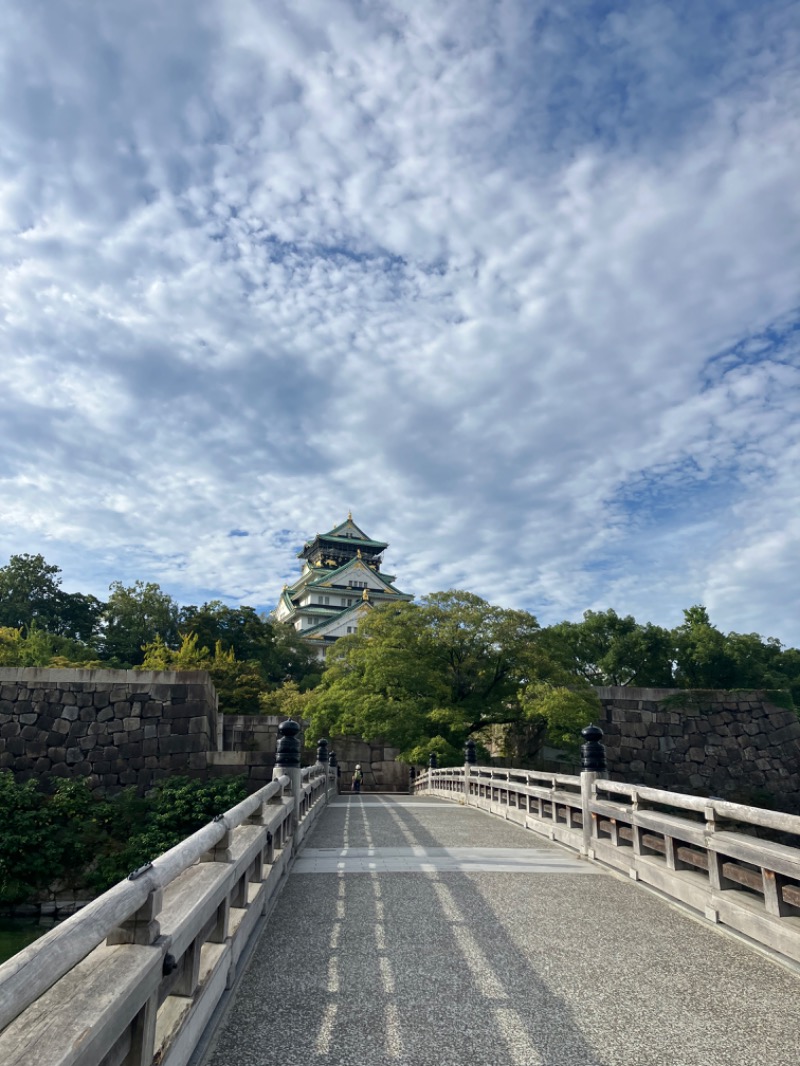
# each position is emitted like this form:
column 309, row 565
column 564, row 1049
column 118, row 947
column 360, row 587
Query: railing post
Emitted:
column 322, row 752
column 433, row 764
column 469, row 760
column 333, row 772
column 287, row 762
column 593, row 765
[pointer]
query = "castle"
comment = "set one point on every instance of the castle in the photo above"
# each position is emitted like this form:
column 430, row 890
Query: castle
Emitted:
column 341, row 580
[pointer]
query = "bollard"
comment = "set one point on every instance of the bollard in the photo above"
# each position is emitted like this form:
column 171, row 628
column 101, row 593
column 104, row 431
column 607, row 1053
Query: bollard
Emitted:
column 469, row 760
column 593, row 765
column 433, row 761
column 333, row 769
column 287, row 761
column 322, row 751
column 593, row 753
column 412, row 776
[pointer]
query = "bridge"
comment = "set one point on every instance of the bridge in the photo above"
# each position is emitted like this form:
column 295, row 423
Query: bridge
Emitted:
column 491, row 916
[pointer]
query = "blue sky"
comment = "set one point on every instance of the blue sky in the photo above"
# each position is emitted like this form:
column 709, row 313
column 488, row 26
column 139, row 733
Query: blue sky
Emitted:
column 517, row 282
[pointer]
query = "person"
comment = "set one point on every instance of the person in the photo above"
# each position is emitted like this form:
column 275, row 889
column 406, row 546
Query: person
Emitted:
column 358, row 777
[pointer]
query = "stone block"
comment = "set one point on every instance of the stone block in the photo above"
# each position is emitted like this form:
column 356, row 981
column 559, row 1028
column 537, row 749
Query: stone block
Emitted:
column 42, row 765
column 152, row 710
column 131, row 723
column 10, row 729
column 70, row 713
column 101, row 699
column 86, row 714
column 198, row 725
column 29, row 732
column 16, row 745
column 84, row 699
column 696, row 755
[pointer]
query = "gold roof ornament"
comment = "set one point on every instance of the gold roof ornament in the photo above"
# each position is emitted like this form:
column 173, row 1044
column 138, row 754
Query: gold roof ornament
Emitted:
column 358, row 553
column 365, row 595
column 349, row 516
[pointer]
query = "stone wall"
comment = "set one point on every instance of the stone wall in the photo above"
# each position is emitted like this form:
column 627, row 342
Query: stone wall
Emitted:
column 738, row 746
column 382, row 772
column 244, row 734
column 116, row 728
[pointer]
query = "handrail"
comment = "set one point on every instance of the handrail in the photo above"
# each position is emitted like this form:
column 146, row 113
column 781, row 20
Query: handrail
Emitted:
column 720, row 872
column 251, row 844
column 738, row 812
column 28, row 974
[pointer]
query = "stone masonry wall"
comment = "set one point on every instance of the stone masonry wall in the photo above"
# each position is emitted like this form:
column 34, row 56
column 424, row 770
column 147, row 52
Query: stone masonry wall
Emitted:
column 115, row 728
column 738, row 746
column 246, row 734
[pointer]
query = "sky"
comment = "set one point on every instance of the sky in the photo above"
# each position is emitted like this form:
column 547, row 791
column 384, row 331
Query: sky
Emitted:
column 515, row 281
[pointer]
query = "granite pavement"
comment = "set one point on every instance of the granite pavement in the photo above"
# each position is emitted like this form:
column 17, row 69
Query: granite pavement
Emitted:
column 549, row 963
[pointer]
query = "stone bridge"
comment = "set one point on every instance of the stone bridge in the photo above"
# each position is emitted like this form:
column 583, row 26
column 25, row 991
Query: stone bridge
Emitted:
column 491, row 917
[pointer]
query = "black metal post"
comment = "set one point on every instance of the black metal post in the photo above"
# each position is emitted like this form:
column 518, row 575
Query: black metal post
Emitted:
column 322, row 751
column 593, row 752
column 469, row 753
column 433, row 761
column 288, row 751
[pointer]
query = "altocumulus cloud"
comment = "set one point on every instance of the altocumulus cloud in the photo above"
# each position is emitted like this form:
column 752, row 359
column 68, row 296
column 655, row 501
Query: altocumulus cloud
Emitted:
column 516, row 282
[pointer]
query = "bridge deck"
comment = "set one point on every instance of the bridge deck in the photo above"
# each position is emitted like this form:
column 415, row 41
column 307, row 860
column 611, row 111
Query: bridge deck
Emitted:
column 415, row 931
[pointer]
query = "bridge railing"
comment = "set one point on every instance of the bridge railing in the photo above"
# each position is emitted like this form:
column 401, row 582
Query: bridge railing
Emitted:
column 735, row 864
column 134, row 977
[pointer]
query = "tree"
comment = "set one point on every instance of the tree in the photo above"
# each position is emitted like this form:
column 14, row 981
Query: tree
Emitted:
column 239, row 685
column 608, row 649
column 30, row 595
column 134, row 616
column 426, row 676
column 274, row 647
column 36, row 647
column 288, row 701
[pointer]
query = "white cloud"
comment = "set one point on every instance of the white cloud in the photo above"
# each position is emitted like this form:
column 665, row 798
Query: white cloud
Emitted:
column 473, row 273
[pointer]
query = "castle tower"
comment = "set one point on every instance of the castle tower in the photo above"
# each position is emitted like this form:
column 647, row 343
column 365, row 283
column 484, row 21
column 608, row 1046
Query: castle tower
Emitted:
column 341, row 581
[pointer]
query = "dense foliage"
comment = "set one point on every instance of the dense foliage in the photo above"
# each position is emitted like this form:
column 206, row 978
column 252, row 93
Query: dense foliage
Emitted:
column 426, row 676
column 73, row 838
column 141, row 627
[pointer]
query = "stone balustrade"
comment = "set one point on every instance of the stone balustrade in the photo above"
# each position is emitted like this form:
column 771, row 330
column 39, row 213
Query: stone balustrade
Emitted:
column 735, row 865
column 134, row 978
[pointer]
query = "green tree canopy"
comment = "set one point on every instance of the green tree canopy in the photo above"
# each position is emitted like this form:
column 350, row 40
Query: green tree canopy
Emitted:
column 276, row 648
column 426, row 676
column 31, row 595
column 134, row 616
column 607, row 649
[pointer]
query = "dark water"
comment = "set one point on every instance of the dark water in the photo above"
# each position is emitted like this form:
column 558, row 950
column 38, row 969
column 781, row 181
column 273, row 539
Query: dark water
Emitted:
column 15, row 933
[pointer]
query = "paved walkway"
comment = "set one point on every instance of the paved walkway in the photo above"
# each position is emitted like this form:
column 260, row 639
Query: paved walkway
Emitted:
column 421, row 933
